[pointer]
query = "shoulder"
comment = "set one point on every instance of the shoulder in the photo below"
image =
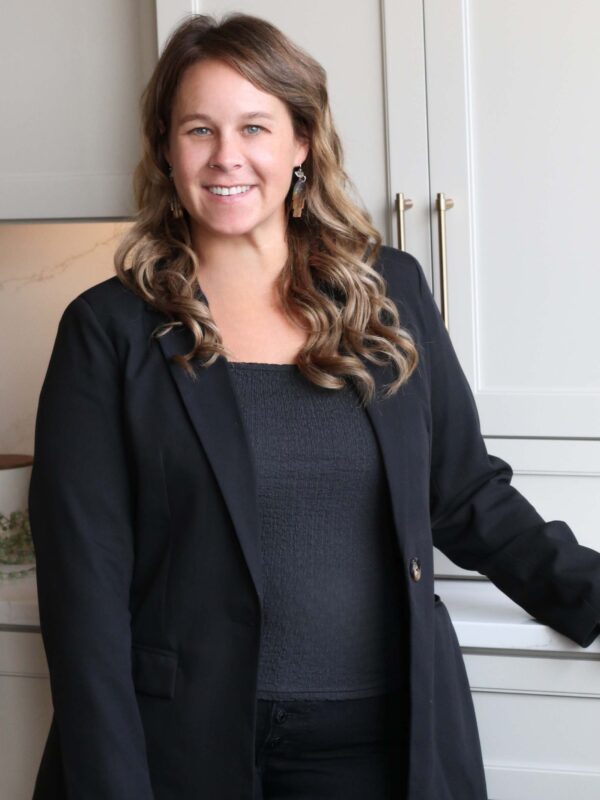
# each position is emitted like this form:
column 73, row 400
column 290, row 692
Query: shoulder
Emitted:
column 112, row 299
column 405, row 279
column 401, row 270
column 110, row 312
column 113, row 305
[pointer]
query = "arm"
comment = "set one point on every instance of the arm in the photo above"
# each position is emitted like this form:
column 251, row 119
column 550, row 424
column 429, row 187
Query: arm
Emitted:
column 80, row 505
column 483, row 523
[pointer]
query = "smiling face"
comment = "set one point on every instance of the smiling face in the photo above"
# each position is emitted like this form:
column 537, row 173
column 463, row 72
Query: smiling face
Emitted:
column 221, row 119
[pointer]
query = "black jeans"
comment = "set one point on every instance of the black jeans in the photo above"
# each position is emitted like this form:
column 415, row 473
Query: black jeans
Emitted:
column 335, row 749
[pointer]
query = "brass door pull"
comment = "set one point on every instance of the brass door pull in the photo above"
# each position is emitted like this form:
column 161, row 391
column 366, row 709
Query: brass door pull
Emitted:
column 442, row 205
column 402, row 205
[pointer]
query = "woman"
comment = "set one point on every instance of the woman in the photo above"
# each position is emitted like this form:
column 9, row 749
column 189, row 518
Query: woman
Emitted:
column 246, row 443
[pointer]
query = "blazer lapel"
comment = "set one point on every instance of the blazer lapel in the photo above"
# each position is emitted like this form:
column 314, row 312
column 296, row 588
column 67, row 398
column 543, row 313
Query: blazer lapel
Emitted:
column 391, row 421
column 212, row 407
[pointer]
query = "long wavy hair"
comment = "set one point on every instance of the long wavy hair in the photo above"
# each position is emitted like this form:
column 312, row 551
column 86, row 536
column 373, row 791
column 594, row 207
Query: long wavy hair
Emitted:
column 328, row 285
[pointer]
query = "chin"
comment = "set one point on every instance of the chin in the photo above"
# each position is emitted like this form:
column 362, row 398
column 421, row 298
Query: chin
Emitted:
column 224, row 230
column 230, row 228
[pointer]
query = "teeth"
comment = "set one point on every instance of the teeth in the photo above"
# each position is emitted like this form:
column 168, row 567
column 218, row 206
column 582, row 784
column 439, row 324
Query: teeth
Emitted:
column 228, row 190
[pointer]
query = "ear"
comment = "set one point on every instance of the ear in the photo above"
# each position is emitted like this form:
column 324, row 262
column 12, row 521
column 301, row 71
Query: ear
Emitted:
column 302, row 150
column 165, row 151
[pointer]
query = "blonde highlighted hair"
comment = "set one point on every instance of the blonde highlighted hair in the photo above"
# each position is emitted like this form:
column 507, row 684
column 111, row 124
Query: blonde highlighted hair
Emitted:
column 328, row 284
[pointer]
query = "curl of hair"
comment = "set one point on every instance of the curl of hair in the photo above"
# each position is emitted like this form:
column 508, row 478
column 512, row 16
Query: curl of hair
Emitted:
column 328, row 285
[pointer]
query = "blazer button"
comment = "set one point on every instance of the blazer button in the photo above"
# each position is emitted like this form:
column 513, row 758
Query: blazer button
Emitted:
column 415, row 569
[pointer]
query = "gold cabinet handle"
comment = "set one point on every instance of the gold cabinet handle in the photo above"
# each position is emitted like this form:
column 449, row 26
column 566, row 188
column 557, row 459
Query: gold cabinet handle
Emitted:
column 442, row 205
column 402, row 205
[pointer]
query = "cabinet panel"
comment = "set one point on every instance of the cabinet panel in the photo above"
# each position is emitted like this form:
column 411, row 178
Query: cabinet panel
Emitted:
column 71, row 80
column 544, row 749
column 537, row 707
column 513, row 140
column 25, row 711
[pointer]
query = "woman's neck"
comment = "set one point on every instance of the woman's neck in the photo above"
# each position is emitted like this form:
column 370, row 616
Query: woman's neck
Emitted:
column 228, row 267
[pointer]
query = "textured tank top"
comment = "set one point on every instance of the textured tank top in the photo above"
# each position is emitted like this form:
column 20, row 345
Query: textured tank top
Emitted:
column 334, row 620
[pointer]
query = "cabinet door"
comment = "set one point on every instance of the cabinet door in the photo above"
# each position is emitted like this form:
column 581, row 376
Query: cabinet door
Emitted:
column 360, row 50
column 71, row 78
column 513, row 140
column 25, row 711
column 539, row 723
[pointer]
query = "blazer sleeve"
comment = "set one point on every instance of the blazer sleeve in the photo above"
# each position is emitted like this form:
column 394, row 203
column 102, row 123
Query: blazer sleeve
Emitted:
column 81, row 510
column 481, row 522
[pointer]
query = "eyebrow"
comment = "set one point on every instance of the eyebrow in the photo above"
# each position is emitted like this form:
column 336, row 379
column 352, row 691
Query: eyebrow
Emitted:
column 207, row 118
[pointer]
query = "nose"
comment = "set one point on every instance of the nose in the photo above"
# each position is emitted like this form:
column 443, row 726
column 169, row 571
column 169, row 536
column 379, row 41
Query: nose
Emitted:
column 226, row 153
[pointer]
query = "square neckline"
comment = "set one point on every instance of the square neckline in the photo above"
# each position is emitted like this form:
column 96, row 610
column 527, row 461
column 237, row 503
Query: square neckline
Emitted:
column 262, row 365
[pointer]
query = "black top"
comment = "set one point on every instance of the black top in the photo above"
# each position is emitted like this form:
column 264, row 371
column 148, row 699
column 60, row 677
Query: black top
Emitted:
column 333, row 617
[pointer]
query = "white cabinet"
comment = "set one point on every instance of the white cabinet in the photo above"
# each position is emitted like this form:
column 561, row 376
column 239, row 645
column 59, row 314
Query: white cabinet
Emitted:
column 25, row 711
column 512, row 139
column 71, row 78
column 25, row 697
column 513, row 133
column 536, row 696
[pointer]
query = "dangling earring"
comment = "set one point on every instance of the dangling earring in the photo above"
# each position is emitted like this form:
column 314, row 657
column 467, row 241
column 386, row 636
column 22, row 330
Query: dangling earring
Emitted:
column 298, row 192
column 174, row 203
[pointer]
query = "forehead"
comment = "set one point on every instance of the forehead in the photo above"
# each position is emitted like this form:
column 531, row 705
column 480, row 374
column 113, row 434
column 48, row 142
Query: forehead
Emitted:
column 212, row 86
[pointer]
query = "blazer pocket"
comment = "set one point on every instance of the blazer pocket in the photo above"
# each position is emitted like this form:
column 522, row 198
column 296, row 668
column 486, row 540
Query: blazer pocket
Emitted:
column 154, row 670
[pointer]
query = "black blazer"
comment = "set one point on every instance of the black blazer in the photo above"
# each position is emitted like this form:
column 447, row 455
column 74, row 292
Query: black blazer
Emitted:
column 144, row 522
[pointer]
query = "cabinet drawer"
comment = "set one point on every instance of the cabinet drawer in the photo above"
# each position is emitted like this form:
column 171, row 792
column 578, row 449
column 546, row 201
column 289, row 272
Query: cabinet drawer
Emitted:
column 539, row 723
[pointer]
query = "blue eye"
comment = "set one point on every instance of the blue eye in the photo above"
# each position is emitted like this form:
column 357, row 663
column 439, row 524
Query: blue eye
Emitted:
column 253, row 130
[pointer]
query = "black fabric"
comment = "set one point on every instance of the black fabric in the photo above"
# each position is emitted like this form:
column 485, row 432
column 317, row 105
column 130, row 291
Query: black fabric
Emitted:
column 339, row 749
column 145, row 524
column 333, row 605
